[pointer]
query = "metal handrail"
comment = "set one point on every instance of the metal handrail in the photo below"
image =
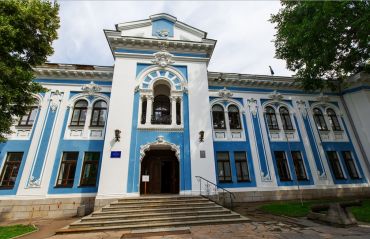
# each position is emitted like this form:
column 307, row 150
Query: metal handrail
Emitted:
column 217, row 187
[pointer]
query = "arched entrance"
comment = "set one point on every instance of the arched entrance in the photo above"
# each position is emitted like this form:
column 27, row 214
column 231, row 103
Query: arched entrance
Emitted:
column 162, row 166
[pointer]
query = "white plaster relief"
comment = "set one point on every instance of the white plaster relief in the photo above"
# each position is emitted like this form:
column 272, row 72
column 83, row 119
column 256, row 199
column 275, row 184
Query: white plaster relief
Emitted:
column 160, row 142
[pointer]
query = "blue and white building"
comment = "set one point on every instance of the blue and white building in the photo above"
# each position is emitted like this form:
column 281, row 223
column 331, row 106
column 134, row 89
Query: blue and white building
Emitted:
column 159, row 114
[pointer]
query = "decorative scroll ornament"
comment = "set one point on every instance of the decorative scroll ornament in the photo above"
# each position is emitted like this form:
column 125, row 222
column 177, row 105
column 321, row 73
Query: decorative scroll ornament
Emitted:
column 322, row 176
column 225, row 93
column 91, row 88
column 323, row 98
column 163, row 58
column 55, row 99
column 163, row 34
column 160, row 142
column 302, row 107
column 276, row 96
column 252, row 105
column 265, row 177
column 34, row 182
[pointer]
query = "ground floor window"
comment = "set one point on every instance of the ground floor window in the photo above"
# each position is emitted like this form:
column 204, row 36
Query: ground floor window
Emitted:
column 10, row 170
column 350, row 164
column 282, row 166
column 335, row 164
column 223, row 166
column 300, row 170
column 90, row 169
column 67, row 169
column 241, row 166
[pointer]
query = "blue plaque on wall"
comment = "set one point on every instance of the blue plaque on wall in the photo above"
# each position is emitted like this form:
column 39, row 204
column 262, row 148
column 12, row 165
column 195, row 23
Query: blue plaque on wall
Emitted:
column 115, row 154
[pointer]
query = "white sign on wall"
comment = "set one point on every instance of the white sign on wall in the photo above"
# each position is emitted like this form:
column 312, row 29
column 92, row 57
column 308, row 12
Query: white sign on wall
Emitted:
column 145, row 178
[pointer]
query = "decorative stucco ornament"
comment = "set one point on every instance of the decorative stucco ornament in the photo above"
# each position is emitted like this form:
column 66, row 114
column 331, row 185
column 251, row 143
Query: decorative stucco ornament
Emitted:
column 276, row 96
column 322, row 176
column 323, row 98
column 252, row 105
column 225, row 93
column 55, row 99
column 163, row 58
column 34, row 182
column 91, row 88
column 163, row 34
column 302, row 107
column 160, row 142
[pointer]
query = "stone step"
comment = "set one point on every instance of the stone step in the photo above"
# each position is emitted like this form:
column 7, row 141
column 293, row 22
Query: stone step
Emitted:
column 156, row 202
column 168, row 205
column 131, row 216
column 153, row 220
column 139, row 233
column 155, row 210
column 154, row 225
column 161, row 198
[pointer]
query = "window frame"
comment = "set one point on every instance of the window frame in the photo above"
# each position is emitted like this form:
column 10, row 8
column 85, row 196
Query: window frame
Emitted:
column 164, row 114
column 333, row 120
column 271, row 119
column 224, row 162
column 280, row 166
column 80, row 109
column 352, row 175
column 86, row 162
column 234, row 115
column 319, row 119
column 69, row 163
column 28, row 114
column 219, row 113
column 100, row 110
column 13, row 164
column 341, row 175
column 300, row 161
column 239, row 167
column 286, row 120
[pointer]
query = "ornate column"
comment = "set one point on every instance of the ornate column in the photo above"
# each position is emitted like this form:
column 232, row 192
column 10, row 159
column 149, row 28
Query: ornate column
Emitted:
column 141, row 99
column 149, row 109
column 182, row 110
column 173, row 110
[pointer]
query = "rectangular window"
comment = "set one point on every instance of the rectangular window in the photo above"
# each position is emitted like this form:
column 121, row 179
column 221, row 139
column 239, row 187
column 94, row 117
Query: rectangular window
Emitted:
column 335, row 164
column 350, row 164
column 300, row 170
column 90, row 169
column 241, row 166
column 282, row 165
column 223, row 165
column 10, row 170
column 29, row 118
column 67, row 170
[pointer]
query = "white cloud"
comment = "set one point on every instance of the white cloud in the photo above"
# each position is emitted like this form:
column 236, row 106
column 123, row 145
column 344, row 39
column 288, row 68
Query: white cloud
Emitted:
column 244, row 35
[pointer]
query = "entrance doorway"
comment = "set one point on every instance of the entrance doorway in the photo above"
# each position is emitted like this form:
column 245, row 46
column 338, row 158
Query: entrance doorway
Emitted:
column 162, row 167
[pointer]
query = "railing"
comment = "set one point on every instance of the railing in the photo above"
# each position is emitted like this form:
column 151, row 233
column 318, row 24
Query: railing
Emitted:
column 212, row 192
column 164, row 119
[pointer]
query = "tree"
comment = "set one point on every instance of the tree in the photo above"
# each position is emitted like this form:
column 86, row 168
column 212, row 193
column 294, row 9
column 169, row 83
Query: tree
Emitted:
column 323, row 42
column 27, row 29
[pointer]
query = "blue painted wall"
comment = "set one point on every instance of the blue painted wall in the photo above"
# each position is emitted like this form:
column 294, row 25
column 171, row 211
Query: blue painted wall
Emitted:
column 162, row 24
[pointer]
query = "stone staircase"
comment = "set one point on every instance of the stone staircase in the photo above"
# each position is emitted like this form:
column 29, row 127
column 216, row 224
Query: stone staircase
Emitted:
column 155, row 212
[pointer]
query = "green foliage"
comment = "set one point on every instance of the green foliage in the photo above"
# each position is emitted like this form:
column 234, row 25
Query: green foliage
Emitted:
column 323, row 41
column 362, row 213
column 15, row 230
column 27, row 30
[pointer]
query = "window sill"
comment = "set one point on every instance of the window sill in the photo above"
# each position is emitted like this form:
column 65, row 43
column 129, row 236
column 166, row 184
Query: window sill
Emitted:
column 96, row 127
column 76, row 126
column 274, row 130
column 23, row 126
column 289, row 130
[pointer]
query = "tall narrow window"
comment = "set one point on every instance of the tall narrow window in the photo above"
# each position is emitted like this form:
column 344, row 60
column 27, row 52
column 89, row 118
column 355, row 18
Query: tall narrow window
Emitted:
column 218, row 117
column 90, row 169
column 79, row 113
column 319, row 119
column 10, row 170
column 223, row 166
column 67, row 170
column 178, row 112
column 29, row 118
column 143, row 111
column 271, row 118
column 285, row 118
column 161, row 110
column 333, row 119
column 234, row 117
column 350, row 165
column 99, row 114
column 299, row 168
column 241, row 166
column 335, row 164
column 282, row 166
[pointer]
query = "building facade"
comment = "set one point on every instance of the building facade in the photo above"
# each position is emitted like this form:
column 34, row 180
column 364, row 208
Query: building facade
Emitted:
column 158, row 118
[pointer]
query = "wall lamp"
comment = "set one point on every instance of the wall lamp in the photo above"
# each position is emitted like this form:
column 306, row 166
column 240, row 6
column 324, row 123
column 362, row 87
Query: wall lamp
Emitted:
column 117, row 135
column 201, row 136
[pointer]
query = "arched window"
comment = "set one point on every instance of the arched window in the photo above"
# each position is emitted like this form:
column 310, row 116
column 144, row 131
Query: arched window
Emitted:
column 319, row 119
column 29, row 118
column 161, row 110
column 271, row 118
column 79, row 113
column 234, row 117
column 218, row 116
column 99, row 113
column 285, row 118
column 333, row 119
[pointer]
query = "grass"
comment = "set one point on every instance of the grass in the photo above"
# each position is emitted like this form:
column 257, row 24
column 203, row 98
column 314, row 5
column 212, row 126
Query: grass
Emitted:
column 15, row 230
column 295, row 208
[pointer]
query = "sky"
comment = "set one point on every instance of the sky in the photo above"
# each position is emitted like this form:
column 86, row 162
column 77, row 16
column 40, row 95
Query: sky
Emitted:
column 242, row 30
